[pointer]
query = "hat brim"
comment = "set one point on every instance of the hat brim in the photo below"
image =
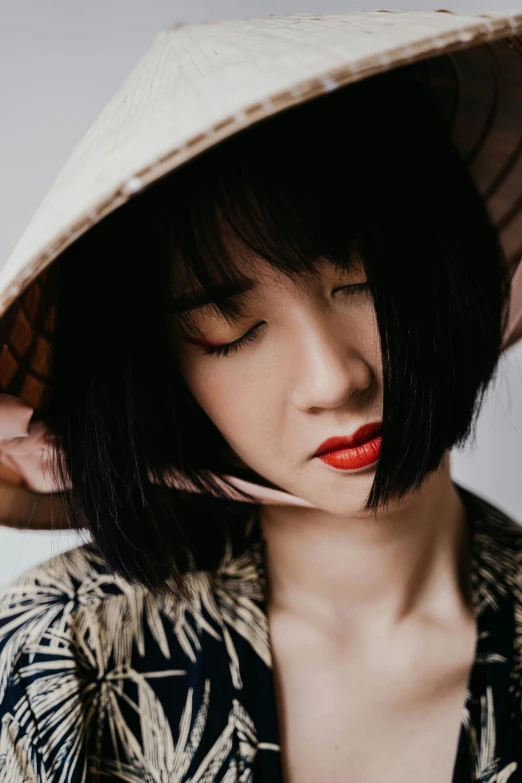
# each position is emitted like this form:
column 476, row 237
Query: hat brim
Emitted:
column 202, row 83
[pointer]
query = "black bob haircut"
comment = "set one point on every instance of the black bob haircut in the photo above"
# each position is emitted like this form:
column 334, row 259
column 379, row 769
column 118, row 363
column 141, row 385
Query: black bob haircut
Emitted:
column 369, row 169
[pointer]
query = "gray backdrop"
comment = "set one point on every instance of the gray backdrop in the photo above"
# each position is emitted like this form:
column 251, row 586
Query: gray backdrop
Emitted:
column 60, row 62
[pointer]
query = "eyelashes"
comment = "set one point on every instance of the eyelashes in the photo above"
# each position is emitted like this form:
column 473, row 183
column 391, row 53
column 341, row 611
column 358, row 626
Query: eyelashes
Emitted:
column 349, row 290
column 227, row 348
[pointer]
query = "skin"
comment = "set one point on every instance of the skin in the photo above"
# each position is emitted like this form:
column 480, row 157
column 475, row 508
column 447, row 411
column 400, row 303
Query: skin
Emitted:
column 370, row 619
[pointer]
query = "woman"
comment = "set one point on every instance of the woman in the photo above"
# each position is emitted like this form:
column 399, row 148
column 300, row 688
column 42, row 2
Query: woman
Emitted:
column 307, row 316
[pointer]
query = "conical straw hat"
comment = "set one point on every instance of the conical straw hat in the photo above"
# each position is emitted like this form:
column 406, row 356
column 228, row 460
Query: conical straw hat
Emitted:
column 201, row 83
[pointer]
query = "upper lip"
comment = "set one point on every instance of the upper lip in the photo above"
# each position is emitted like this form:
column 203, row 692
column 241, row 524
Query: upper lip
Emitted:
column 364, row 433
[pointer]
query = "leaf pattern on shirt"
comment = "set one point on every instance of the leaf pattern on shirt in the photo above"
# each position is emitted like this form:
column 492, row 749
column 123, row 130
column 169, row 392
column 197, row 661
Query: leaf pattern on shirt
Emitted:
column 101, row 679
column 19, row 761
column 498, row 573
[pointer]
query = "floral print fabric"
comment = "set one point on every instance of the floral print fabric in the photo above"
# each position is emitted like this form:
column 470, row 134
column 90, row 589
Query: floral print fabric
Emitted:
column 101, row 680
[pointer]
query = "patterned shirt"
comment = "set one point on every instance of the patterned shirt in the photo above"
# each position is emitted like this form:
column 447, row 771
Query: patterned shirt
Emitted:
column 100, row 679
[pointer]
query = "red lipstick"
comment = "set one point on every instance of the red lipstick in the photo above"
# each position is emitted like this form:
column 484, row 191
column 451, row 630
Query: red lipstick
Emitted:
column 354, row 452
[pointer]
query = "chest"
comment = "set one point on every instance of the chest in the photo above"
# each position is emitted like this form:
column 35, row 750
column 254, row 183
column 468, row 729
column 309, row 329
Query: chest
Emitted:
column 364, row 721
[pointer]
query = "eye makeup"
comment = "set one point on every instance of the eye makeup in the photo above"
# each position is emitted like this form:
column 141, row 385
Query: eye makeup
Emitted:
column 224, row 349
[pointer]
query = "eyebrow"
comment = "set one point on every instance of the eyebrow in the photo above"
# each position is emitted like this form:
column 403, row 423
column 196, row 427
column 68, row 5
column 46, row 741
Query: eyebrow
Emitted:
column 200, row 298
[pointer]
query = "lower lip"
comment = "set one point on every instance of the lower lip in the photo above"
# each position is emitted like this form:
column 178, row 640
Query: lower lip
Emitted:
column 355, row 458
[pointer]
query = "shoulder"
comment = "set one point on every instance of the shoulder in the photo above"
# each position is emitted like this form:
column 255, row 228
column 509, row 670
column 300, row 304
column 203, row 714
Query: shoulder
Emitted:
column 82, row 649
column 44, row 602
column 75, row 640
column 496, row 541
column 39, row 613
column 73, row 607
column 494, row 528
column 72, row 598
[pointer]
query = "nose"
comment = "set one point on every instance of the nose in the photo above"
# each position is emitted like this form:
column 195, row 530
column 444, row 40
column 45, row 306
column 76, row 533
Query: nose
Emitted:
column 328, row 368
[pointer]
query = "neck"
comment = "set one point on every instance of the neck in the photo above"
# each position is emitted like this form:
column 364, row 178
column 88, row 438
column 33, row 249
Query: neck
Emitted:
column 408, row 562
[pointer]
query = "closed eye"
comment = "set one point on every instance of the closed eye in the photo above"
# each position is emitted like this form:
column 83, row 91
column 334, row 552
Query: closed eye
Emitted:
column 227, row 348
column 349, row 290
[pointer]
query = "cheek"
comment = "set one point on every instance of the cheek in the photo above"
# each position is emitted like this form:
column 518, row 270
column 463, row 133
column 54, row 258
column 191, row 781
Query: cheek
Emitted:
column 241, row 404
column 370, row 341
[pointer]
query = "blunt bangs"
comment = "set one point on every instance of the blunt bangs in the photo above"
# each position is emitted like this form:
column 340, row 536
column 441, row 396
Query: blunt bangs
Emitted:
column 369, row 173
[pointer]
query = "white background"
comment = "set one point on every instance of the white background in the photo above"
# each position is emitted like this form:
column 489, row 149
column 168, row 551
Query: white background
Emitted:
column 60, row 62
